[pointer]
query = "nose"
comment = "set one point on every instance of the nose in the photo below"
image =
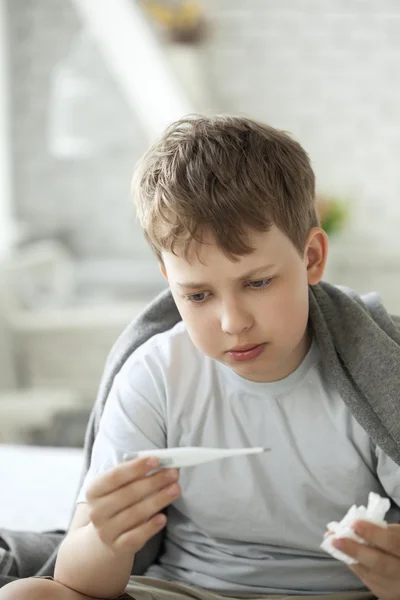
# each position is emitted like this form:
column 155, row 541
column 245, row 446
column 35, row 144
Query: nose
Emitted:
column 235, row 319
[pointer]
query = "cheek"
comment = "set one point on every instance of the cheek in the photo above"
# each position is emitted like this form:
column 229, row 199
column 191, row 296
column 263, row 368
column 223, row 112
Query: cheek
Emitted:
column 289, row 310
column 204, row 335
column 200, row 324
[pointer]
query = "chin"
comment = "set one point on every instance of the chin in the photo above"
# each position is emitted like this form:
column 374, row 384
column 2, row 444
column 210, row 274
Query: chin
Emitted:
column 251, row 368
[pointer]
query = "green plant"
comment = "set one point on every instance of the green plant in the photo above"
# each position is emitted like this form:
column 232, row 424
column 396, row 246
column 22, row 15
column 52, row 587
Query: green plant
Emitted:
column 333, row 214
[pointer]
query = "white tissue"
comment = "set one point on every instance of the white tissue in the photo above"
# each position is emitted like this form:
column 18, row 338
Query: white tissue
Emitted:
column 374, row 513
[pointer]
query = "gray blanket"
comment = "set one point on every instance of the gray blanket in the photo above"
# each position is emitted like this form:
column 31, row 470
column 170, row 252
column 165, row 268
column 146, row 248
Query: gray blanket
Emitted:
column 360, row 345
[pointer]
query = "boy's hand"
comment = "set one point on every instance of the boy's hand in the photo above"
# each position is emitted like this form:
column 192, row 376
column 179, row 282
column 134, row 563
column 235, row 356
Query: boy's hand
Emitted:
column 379, row 567
column 125, row 502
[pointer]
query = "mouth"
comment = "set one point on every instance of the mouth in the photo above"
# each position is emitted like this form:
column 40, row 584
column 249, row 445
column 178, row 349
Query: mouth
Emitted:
column 246, row 352
column 243, row 348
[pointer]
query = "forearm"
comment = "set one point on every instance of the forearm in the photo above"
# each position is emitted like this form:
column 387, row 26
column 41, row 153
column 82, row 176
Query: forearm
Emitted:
column 87, row 565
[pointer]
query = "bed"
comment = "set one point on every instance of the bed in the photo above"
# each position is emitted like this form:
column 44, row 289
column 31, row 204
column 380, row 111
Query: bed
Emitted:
column 38, row 486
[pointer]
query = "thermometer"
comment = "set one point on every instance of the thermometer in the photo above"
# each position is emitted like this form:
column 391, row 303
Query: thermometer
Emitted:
column 190, row 456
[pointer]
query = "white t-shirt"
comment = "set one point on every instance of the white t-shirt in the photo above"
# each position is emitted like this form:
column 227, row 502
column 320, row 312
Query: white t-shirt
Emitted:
column 248, row 524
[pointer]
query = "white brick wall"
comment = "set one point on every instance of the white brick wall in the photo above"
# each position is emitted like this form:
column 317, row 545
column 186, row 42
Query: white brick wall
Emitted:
column 329, row 72
column 84, row 199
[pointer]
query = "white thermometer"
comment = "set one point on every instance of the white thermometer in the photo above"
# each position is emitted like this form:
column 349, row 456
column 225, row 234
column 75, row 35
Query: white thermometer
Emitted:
column 190, row 456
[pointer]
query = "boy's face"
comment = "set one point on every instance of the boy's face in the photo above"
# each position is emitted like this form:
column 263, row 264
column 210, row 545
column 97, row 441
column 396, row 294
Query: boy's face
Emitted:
column 251, row 314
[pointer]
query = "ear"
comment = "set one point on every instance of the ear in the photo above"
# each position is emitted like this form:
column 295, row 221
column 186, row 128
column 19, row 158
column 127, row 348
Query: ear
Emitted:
column 163, row 271
column 316, row 254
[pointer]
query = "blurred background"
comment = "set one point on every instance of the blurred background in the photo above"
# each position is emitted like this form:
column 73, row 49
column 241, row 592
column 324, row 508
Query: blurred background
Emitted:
column 86, row 85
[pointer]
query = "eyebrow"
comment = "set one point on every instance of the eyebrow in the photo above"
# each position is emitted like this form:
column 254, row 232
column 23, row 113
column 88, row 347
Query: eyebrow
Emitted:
column 194, row 285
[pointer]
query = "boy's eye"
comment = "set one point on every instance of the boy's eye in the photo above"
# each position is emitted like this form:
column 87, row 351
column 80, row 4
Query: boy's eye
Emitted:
column 260, row 284
column 198, row 298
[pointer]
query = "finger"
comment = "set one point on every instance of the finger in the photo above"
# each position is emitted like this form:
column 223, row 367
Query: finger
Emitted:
column 136, row 515
column 119, row 476
column 374, row 559
column 385, row 538
column 363, row 573
column 136, row 538
column 381, row 587
column 108, row 506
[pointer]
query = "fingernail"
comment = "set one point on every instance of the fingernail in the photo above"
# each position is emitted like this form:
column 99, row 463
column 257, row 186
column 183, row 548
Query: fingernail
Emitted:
column 160, row 520
column 152, row 462
column 359, row 530
column 172, row 474
column 173, row 490
column 339, row 544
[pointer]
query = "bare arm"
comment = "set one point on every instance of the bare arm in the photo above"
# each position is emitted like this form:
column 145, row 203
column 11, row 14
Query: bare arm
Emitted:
column 122, row 514
column 87, row 565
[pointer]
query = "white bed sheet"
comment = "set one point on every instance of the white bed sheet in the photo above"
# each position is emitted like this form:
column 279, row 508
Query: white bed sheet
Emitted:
column 38, row 486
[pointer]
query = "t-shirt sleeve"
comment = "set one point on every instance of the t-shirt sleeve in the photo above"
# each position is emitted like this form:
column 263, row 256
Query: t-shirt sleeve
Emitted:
column 389, row 475
column 133, row 419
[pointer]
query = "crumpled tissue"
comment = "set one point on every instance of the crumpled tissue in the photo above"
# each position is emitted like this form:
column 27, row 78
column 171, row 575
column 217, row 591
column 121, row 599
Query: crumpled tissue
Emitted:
column 374, row 513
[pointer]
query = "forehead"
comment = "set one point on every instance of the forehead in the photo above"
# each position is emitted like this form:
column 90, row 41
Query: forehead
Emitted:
column 271, row 247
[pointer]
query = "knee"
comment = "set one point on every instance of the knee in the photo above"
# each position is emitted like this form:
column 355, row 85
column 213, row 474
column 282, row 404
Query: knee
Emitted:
column 30, row 588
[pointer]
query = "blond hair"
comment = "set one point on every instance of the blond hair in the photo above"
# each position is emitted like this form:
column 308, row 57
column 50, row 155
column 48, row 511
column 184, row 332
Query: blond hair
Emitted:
column 225, row 175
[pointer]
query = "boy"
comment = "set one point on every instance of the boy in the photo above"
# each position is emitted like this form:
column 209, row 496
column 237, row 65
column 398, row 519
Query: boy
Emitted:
column 227, row 205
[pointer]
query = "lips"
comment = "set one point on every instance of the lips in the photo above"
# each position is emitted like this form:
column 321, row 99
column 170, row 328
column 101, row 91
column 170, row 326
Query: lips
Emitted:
column 247, row 352
column 244, row 348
